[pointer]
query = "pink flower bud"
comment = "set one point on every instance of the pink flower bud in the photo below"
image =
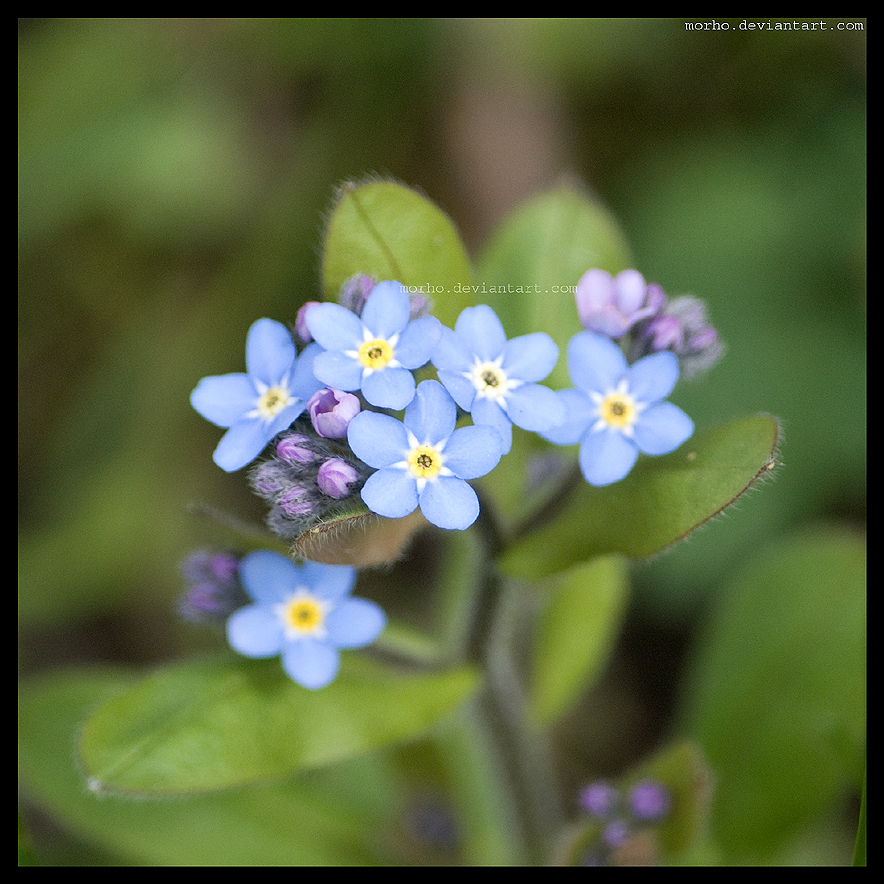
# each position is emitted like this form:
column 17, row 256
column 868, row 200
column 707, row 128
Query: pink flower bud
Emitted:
column 331, row 411
column 334, row 478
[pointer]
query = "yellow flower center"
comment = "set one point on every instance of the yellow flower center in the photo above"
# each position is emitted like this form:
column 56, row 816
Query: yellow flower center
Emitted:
column 424, row 462
column 302, row 615
column 375, row 354
column 489, row 379
column 273, row 402
column 618, row 410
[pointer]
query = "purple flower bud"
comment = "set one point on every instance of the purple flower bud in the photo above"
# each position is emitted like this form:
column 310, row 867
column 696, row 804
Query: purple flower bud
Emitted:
column 615, row 833
column 649, row 800
column 334, row 478
column 355, row 291
column 331, row 411
column 664, row 333
column 598, row 798
column 301, row 323
column 291, row 449
column 295, row 502
column 215, row 591
column 610, row 306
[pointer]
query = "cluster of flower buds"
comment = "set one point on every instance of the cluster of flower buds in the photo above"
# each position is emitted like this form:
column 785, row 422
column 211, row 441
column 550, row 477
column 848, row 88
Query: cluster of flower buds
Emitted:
column 619, row 816
column 625, row 308
column 214, row 588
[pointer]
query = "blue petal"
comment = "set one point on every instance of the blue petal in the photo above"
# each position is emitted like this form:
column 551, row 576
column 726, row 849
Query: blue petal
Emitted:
column 489, row 414
column 462, row 389
column 452, row 352
column 285, row 418
column 388, row 388
column 334, row 327
column 606, row 456
column 530, row 357
column 387, row 309
column 312, row 664
column 418, row 341
column 580, row 413
column 304, row 382
column 662, row 428
column 596, row 363
column 241, row 444
column 224, row 399
column 335, row 369
column 473, row 451
column 377, row 439
column 535, row 408
column 432, row 413
column 652, row 378
column 255, row 631
column 355, row 623
column 329, row 582
column 449, row 503
column 391, row 492
column 270, row 351
column 482, row 331
column 269, row 577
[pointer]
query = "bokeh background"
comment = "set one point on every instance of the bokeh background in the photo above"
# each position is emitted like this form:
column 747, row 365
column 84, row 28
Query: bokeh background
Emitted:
column 173, row 177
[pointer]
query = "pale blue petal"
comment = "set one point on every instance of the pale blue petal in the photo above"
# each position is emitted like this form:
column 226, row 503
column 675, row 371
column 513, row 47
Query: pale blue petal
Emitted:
column 241, row 444
column 329, row 582
column 255, row 631
column 473, row 451
column 662, row 428
column 482, row 331
column 580, row 413
column 489, row 414
column 285, row 418
column 387, row 309
column 377, row 439
column 337, row 370
column 334, row 327
column 418, row 342
column 304, row 382
column 310, row 663
column 432, row 413
column 270, row 351
column 388, row 388
column 595, row 362
column 449, row 503
column 530, row 357
column 269, row 577
column 462, row 389
column 355, row 623
column 452, row 352
column 652, row 378
column 535, row 408
column 391, row 492
column 606, row 456
column 224, row 399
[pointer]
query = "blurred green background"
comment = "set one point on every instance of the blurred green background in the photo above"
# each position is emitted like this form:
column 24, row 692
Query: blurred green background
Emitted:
column 173, row 176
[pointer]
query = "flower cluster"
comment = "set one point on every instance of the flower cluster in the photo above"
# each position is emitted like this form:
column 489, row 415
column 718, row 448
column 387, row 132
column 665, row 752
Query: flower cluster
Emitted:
column 618, row 816
column 335, row 447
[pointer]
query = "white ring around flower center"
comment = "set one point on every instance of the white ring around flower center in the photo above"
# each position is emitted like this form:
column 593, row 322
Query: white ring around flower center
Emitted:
column 490, row 380
column 272, row 401
column 302, row 615
column 617, row 409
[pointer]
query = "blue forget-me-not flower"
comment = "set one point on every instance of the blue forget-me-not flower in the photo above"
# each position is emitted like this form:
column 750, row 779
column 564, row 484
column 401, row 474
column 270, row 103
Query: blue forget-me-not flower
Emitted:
column 374, row 352
column 423, row 461
column 304, row 612
column 495, row 379
column 264, row 401
column 616, row 410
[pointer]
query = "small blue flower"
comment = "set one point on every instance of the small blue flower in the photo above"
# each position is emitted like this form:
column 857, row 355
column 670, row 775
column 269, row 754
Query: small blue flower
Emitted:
column 305, row 612
column 495, row 379
column 617, row 409
column 264, row 401
column 425, row 460
column 374, row 352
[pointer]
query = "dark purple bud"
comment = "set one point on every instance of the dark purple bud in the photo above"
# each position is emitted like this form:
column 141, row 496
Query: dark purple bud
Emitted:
column 649, row 800
column 355, row 292
column 295, row 502
column 335, row 477
column 598, row 798
column 301, row 322
column 292, row 449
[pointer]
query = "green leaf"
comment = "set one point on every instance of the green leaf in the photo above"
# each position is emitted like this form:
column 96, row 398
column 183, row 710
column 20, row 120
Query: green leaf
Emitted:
column 339, row 810
column 778, row 699
column 530, row 265
column 388, row 231
column 660, row 501
column 214, row 724
column 575, row 634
